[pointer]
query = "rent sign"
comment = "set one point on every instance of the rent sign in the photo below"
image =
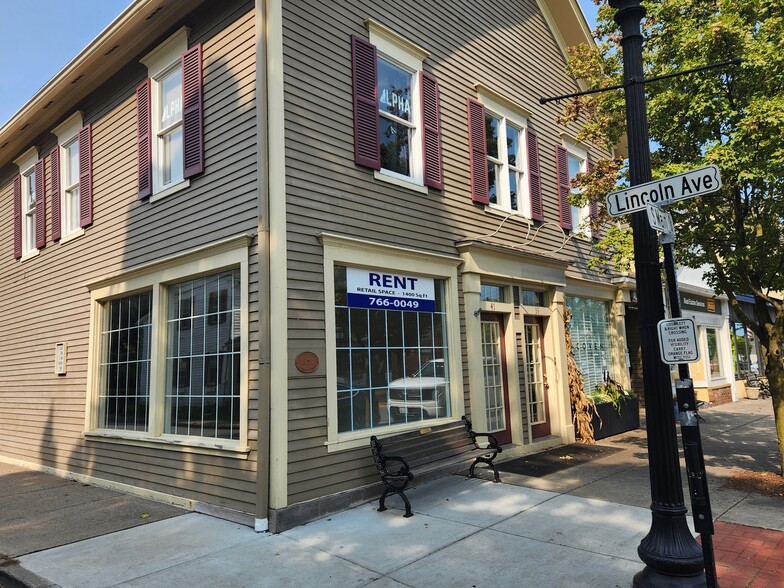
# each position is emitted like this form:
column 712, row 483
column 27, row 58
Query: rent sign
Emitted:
column 389, row 291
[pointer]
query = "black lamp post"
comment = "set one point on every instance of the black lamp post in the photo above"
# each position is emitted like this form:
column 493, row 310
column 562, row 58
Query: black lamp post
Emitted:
column 670, row 552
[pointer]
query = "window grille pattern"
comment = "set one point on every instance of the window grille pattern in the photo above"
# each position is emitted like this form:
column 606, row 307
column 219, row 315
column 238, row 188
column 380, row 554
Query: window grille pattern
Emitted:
column 125, row 366
column 203, row 357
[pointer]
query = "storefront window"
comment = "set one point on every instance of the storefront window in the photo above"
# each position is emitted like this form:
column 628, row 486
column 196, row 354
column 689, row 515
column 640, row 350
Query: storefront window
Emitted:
column 391, row 349
column 713, row 353
column 591, row 344
column 744, row 349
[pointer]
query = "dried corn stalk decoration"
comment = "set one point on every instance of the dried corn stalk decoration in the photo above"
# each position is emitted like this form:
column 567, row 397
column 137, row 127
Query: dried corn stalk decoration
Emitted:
column 582, row 406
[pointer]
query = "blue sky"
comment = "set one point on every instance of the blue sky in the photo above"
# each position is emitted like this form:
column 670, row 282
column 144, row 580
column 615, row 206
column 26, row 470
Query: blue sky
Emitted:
column 40, row 37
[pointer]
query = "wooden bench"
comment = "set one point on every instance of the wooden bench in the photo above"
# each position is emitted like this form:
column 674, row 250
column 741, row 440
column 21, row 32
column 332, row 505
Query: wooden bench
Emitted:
column 430, row 449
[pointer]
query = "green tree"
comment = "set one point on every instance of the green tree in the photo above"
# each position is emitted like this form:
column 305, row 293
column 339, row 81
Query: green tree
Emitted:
column 731, row 117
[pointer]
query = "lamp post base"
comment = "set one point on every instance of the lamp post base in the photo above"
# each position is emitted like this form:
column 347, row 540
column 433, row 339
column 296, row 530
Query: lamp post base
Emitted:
column 650, row 578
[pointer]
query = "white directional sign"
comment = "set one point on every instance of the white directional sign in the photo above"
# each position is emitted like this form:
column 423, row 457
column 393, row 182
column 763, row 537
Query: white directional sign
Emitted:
column 696, row 182
column 660, row 220
column 678, row 341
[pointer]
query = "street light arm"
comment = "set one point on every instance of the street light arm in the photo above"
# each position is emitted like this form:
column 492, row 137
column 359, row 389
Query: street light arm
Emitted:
column 639, row 80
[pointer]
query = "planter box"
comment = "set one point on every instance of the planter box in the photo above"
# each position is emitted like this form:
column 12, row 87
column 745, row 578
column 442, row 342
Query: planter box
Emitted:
column 752, row 392
column 614, row 423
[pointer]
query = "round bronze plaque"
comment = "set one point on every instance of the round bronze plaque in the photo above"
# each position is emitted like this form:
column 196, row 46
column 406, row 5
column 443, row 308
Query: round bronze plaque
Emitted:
column 306, row 362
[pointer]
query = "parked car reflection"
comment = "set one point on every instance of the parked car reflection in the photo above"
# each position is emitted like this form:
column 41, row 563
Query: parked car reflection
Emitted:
column 422, row 395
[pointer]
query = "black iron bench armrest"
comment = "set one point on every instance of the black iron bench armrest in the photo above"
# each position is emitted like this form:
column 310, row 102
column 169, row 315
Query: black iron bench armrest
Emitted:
column 404, row 469
column 491, row 440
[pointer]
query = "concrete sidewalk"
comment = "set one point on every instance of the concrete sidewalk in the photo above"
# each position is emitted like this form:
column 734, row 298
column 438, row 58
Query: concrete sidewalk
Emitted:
column 578, row 527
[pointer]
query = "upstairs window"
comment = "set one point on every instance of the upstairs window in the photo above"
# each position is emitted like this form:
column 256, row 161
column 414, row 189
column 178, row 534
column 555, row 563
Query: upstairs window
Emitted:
column 71, row 178
column 29, row 205
column 504, row 156
column 396, row 112
column 396, row 122
column 572, row 160
column 169, row 131
column 28, row 202
column 170, row 126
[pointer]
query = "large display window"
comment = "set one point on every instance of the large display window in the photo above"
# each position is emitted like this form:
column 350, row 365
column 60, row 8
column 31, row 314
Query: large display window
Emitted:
column 391, row 349
column 591, row 342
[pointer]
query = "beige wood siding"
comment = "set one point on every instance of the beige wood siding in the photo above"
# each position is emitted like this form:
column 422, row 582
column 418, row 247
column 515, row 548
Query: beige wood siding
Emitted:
column 504, row 45
column 44, row 300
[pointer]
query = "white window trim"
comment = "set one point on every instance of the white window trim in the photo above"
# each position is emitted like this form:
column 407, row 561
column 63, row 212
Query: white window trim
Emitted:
column 581, row 226
column 501, row 107
column 709, row 377
column 401, row 52
column 351, row 252
column 66, row 132
column 226, row 254
column 26, row 162
column 158, row 61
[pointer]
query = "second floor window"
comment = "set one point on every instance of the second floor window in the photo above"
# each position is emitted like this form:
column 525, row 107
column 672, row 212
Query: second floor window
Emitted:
column 28, row 206
column 572, row 160
column 71, row 187
column 169, row 110
column 396, row 121
column 503, row 156
column 505, row 173
column 169, row 127
column 580, row 216
column 397, row 127
column 70, row 179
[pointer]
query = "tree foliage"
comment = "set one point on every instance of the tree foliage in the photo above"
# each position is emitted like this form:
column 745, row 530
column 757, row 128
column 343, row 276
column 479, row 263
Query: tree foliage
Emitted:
column 731, row 117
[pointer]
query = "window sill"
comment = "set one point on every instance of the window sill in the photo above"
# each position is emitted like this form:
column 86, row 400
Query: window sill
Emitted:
column 71, row 236
column 399, row 181
column 362, row 438
column 30, row 255
column 498, row 211
column 173, row 189
column 229, row 449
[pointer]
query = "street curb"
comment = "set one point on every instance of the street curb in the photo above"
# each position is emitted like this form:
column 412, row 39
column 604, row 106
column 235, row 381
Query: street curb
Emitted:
column 13, row 575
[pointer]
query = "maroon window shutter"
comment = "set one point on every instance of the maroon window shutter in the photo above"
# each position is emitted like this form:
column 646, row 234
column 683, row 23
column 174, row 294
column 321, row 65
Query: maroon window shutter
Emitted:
column 192, row 113
column 477, row 147
column 593, row 208
column 54, row 181
column 367, row 151
column 86, row 176
column 40, row 204
column 431, row 137
column 18, row 217
column 562, row 174
column 144, row 138
column 534, row 177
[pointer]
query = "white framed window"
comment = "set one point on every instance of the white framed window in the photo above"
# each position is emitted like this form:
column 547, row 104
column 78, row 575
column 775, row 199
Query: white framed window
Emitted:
column 26, row 164
column 28, row 210
column 166, row 114
column 578, row 163
column 169, row 351
column 67, row 134
column 592, row 344
column 713, row 356
column 393, row 361
column 399, row 106
column 508, row 186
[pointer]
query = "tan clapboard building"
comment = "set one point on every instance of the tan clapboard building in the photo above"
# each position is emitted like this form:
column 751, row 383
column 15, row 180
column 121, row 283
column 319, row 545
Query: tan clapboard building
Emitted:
column 243, row 237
